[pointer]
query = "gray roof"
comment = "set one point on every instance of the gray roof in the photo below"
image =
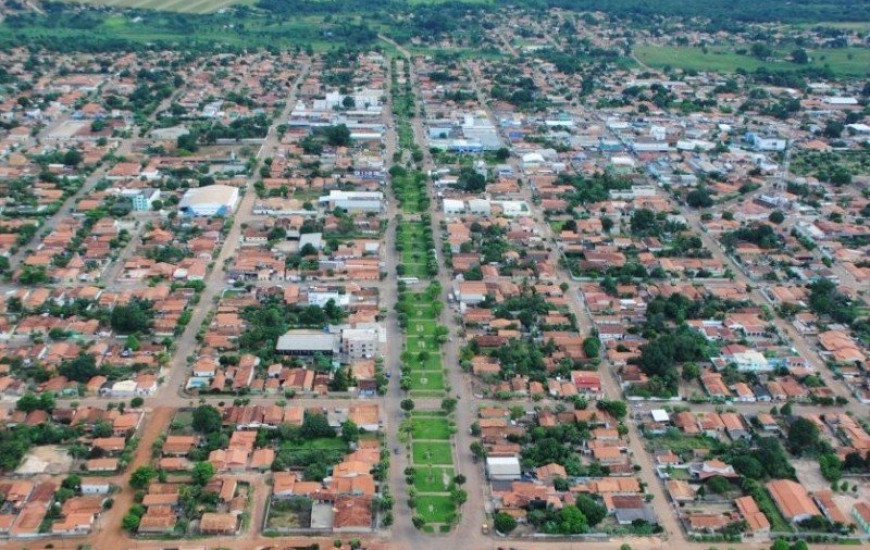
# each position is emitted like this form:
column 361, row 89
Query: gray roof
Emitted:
column 314, row 341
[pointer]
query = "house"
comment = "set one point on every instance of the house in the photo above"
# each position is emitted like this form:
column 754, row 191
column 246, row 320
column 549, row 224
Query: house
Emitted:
column 756, row 521
column 712, row 468
column 792, row 500
column 213, row 523
column 861, row 513
column 352, row 514
column 95, row 486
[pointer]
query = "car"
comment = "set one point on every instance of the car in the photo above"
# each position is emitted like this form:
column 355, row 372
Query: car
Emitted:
column 395, row 450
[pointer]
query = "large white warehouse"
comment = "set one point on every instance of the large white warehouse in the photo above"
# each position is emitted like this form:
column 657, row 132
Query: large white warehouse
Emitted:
column 211, row 200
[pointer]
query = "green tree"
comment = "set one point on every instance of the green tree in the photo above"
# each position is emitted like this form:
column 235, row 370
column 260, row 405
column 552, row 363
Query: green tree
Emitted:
column 202, row 472
column 592, row 347
column 142, row 476
column 407, row 405
column 776, row 217
column 504, row 523
column 572, row 521
column 349, row 431
column 593, row 511
column 81, row 369
column 206, row 420
column 315, row 426
column 130, row 522
column 448, row 405
column 831, row 467
column 803, row 436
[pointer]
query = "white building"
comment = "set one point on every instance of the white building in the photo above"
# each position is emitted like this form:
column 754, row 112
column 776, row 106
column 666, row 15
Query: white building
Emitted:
column 354, row 201
column 503, row 468
column 359, row 343
column 211, row 200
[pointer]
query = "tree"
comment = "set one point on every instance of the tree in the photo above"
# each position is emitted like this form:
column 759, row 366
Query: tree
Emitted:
column 143, row 475
column 761, row 50
column 803, row 436
column 831, row 467
column 72, row 157
column 202, row 472
column 407, row 405
column 691, row 371
column 448, row 405
column 137, row 402
column 337, row 136
column 643, row 222
column 776, row 217
column 699, row 198
column 133, row 317
column 800, row 56
column 81, row 369
column 188, row 142
column 315, row 426
column 349, row 431
column 477, row 450
column 315, row 471
column 130, row 522
column 593, row 511
column 206, row 420
column 833, row 129
column 719, row 485
column 592, row 347
column 504, row 523
column 617, row 409
column 572, row 521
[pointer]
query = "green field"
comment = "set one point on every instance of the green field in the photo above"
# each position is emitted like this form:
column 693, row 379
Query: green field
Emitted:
column 427, row 381
column 433, row 480
column 430, row 428
column 843, row 61
column 429, row 452
column 190, row 6
column 435, row 509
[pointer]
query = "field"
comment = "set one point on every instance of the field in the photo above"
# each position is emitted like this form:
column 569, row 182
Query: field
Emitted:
column 430, row 428
column 190, row 6
column 433, row 480
column 843, row 62
column 432, row 453
column 434, row 509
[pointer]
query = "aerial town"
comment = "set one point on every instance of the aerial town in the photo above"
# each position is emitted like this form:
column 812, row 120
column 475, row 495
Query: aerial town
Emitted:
column 535, row 286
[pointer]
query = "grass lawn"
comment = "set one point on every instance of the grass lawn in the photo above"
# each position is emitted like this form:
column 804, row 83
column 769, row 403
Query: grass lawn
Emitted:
column 434, row 509
column 415, row 344
column 430, row 428
column 717, row 59
column 429, row 452
column 432, row 362
column 335, row 443
column 427, row 380
column 422, row 328
column 433, row 480
column 843, row 62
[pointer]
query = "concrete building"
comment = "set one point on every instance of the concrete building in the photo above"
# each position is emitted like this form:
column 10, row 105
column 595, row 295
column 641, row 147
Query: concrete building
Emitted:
column 211, row 200
column 359, row 343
